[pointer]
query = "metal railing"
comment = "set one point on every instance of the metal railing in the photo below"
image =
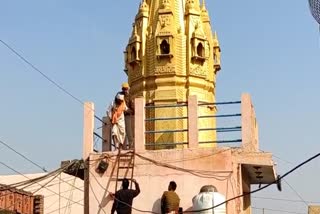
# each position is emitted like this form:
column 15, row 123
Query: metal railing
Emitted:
column 150, row 124
column 224, row 129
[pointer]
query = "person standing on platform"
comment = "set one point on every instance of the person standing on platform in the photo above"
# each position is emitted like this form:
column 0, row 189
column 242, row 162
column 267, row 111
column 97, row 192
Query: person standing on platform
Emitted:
column 116, row 114
column 128, row 115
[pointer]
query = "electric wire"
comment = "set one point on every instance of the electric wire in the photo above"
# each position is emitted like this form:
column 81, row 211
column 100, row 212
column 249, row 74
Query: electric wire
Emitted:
column 231, row 199
column 71, row 191
column 25, row 182
column 51, row 195
column 109, row 157
column 95, row 196
column 28, row 159
column 283, row 160
column 44, row 186
column 198, row 173
column 291, row 187
column 30, row 182
column 286, row 200
column 276, row 210
column 25, row 60
column 53, row 211
column 304, row 201
column 57, row 172
column 52, row 184
column 51, row 205
column 259, row 189
column 40, row 72
column 143, row 211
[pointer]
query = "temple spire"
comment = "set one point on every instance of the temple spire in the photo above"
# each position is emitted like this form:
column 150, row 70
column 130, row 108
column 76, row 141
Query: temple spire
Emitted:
column 170, row 57
column 204, row 5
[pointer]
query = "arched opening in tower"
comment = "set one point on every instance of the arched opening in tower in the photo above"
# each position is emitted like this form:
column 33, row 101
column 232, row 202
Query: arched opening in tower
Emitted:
column 200, row 50
column 165, row 47
column 133, row 54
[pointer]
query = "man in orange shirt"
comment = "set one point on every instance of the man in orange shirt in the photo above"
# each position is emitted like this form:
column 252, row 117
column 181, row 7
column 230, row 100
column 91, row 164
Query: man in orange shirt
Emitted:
column 128, row 115
column 116, row 115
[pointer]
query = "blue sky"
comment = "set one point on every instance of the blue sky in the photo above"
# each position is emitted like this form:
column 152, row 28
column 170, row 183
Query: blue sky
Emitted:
column 270, row 49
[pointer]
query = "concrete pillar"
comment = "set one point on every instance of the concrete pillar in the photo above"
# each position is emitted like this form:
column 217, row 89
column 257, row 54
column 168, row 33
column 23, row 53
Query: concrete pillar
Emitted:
column 249, row 133
column 88, row 129
column 139, row 124
column 193, row 133
column 106, row 134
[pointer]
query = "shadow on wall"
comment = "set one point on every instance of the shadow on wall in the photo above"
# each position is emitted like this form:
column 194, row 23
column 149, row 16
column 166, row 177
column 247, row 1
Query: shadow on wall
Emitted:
column 157, row 206
column 106, row 200
column 189, row 209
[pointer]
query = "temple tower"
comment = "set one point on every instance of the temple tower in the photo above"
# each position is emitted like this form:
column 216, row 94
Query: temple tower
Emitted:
column 171, row 55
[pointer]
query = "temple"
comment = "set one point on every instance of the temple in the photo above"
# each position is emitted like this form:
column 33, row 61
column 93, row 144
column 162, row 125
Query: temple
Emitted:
column 172, row 59
column 173, row 54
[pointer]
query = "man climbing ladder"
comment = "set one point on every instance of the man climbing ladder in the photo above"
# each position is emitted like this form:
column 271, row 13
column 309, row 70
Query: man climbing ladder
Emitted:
column 123, row 198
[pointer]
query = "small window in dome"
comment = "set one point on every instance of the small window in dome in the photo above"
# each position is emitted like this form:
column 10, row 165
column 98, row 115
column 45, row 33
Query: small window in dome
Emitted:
column 200, row 50
column 133, row 54
column 165, row 47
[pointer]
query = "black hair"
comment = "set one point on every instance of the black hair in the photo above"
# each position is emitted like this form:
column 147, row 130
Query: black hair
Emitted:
column 172, row 186
column 125, row 183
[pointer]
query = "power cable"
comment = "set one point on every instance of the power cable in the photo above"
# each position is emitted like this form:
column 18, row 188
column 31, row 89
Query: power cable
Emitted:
column 30, row 182
column 287, row 200
column 44, row 75
column 52, row 184
column 15, row 151
column 26, row 158
column 47, row 196
column 282, row 211
column 283, row 160
column 143, row 211
column 38, row 70
column 95, row 196
column 71, row 191
column 258, row 190
column 199, row 173
column 304, row 201
column 54, row 211
column 45, row 185
column 231, row 199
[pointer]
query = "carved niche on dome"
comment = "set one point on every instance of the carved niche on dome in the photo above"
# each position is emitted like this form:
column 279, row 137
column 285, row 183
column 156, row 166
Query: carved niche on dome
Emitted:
column 164, row 38
column 164, row 35
column 199, row 45
column 133, row 50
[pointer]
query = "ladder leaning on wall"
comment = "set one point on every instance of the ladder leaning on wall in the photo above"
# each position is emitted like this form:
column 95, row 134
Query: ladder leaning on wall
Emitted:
column 125, row 167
